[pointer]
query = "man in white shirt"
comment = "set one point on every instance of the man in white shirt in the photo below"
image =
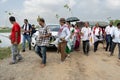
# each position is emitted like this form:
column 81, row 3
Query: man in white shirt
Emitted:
column 116, row 39
column 63, row 35
column 97, row 32
column 108, row 31
column 86, row 32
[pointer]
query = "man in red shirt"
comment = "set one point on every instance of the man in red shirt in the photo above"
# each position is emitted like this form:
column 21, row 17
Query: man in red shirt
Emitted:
column 15, row 38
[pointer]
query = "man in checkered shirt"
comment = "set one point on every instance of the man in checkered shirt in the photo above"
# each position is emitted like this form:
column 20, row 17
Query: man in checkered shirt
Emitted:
column 42, row 40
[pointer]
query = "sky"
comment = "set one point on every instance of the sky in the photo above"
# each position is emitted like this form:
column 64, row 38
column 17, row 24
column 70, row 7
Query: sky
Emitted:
column 85, row 10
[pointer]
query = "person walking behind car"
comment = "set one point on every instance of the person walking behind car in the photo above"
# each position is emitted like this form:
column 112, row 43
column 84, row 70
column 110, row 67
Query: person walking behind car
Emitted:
column 26, row 29
column 33, row 30
column 64, row 35
column 97, row 32
column 15, row 38
column 108, row 31
column 42, row 41
column 85, row 34
column 116, row 39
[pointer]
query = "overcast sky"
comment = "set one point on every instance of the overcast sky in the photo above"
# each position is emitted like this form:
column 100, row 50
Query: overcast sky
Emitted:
column 87, row 10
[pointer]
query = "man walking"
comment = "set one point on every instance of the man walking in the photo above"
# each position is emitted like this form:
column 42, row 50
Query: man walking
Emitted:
column 116, row 39
column 108, row 31
column 26, row 29
column 64, row 35
column 42, row 41
column 86, row 32
column 97, row 33
column 15, row 38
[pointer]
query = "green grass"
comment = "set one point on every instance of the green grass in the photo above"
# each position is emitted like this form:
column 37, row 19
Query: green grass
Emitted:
column 4, row 53
column 5, row 30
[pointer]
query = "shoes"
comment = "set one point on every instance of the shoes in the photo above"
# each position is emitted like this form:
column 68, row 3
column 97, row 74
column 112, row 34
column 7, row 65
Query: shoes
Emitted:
column 20, row 59
column 105, row 49
column 95, row 50
column 29, row 48
column 111, row 54
column 11, row 63
column 42, row 65
column 23, row 50
column 64, row 58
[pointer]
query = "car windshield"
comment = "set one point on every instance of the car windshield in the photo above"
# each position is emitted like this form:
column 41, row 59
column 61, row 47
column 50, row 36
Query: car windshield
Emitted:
column 54, row 27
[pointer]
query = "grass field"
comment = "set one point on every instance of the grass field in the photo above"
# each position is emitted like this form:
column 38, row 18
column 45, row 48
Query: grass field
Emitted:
column 4, row 53
column 5, row 30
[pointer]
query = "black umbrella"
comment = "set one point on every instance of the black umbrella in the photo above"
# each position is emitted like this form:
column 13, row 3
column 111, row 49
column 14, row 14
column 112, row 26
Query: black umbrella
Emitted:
column 72, row 19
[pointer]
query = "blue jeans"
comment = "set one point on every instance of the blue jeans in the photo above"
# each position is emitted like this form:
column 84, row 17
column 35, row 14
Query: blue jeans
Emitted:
column 26, row 37
column 41, row 51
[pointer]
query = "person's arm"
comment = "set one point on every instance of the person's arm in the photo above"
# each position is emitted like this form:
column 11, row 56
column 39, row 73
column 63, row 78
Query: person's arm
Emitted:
column 90, row 32
column 16, row 37
column 112, row 33
column 48, row 33
column 22, row 29
column 105, row 32
column 68, row 34
column 81, row 32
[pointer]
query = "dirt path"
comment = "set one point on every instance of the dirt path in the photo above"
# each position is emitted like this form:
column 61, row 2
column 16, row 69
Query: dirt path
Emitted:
column 96, row 66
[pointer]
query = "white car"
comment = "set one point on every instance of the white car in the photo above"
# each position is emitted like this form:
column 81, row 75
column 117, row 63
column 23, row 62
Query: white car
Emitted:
column 54, row 30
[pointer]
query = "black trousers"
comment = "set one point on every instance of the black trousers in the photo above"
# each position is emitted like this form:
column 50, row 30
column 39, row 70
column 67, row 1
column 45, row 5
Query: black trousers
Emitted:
column 113, row 48
column 96, row 45
column 108, row 42
column 86, row 46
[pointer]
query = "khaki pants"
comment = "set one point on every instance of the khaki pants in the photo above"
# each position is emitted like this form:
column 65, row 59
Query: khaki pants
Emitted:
column 61, row 49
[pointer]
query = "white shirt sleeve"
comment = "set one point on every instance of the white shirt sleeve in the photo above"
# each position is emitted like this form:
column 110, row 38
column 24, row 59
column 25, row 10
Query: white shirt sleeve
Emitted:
column 105, row 29
column 90, row 30
column 112, row 32
column 82, row 30
column 68, row 34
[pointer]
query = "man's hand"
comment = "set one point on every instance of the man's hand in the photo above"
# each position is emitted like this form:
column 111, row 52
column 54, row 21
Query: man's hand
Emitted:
column 10, row 37
column 25, row 31
column 63, row 39
column 12, row 42
column 15, row 43
column 42, row 36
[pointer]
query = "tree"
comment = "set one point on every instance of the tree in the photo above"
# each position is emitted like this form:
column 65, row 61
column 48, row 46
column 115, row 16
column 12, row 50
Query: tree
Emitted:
column 68, row 8
column 115, row 22
column 57, row 16
column 9, row 13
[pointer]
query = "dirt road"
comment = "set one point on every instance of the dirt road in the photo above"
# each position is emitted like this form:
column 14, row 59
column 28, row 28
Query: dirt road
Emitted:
column 96, row 66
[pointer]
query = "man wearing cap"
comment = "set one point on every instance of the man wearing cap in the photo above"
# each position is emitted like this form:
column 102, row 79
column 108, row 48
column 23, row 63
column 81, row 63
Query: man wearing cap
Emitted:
column 64, row 35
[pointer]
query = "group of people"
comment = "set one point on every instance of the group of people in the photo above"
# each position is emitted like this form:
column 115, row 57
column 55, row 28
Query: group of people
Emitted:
column 68, row 39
